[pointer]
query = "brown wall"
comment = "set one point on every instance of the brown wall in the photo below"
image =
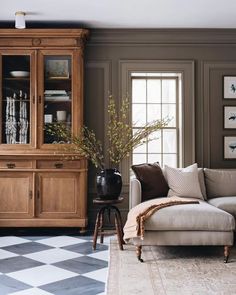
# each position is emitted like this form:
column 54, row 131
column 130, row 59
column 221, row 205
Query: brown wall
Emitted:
column 214, row 55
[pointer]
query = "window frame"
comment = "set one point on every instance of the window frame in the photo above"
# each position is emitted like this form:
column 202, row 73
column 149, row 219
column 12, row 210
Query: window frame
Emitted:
column 177, row 77
column 186, row 68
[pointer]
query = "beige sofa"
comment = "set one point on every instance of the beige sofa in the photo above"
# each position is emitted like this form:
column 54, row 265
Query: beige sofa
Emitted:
column 211, row 222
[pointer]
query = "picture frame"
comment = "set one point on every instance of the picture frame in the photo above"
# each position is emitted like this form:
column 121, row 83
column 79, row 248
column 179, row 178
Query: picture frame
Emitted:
column 229, row 117
column 57, row 69
column 229, row 87
column 229, row 147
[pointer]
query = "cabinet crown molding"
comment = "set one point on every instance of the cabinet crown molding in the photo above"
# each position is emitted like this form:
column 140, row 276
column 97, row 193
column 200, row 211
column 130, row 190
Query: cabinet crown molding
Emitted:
column 66, row 33
column 39, row 38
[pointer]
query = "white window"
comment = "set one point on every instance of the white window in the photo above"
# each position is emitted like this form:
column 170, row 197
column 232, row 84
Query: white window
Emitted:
column 158, row 96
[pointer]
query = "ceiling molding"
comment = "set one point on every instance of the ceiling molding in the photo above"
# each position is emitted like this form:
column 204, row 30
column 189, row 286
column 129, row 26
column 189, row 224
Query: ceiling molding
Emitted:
column 162, row 36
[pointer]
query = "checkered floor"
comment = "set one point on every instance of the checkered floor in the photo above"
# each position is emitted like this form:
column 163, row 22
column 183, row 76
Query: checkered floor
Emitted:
column 60, row 265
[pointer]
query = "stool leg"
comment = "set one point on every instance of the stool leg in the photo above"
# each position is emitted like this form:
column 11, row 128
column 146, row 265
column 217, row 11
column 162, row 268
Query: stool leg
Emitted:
column 118, row 231
column 101, row 225
column 95, row 235
column 119, row 223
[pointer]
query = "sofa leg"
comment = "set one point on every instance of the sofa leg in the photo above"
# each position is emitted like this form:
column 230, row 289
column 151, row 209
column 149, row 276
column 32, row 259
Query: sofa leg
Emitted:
column 139, row 252
column 226, row 253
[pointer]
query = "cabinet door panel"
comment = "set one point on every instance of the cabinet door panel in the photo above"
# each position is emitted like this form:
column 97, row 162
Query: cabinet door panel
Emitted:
column 16, row 195
column 17, row 104
column 56, row 91
column 58, row 195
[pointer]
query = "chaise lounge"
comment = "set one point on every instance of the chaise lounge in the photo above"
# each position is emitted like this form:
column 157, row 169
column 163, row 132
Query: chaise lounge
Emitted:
column 189, row 224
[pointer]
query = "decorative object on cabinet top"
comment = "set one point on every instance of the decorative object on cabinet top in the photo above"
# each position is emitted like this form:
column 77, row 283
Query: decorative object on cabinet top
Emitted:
column 20, row 20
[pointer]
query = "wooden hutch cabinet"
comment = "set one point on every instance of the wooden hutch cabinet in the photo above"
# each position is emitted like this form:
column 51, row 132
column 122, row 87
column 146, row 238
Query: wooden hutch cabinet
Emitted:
column 41, row 85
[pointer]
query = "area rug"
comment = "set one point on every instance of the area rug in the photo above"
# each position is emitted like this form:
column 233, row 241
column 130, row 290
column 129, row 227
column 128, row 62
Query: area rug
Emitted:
column 171, row 271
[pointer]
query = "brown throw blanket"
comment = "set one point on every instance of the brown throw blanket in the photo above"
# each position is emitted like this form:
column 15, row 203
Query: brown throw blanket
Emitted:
column 135, row 224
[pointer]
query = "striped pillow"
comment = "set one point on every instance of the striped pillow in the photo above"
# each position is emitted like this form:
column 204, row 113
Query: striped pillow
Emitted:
column 183, row 182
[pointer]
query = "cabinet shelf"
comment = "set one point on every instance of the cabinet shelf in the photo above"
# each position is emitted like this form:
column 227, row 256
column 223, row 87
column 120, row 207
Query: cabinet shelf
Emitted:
column 54, row 123
column 25, row 100
column 59, row 80
column 4, row 122
column 56, row 101
column 17, row 79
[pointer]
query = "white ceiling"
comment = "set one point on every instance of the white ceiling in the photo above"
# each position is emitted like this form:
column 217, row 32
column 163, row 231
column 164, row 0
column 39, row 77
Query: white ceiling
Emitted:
column 127, row 13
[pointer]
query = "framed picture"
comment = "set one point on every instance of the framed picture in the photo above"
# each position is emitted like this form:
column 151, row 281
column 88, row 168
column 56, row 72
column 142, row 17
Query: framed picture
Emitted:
column 230, row 117
column 229, row 87
column 229, row 147
column 57, row 68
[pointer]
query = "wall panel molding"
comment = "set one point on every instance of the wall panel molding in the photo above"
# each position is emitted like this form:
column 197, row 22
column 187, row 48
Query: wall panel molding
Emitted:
column 106, row 66
column 209, row 67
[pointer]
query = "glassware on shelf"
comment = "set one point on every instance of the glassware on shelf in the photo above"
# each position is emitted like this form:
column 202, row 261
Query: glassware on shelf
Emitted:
column 57, row 93
column 16, row 119
column 15, row 99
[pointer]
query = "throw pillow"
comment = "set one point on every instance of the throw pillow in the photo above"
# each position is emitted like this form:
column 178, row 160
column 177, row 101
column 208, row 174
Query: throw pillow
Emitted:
column 220, row 183
column 152, row 181
column 183, row 182
column 202, row 182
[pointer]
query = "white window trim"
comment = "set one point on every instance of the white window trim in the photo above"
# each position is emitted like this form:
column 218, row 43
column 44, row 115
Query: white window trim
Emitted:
column 186, row 68
column 177, row 77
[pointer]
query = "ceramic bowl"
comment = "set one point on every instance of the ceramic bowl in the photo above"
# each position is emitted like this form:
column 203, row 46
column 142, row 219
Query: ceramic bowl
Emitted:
column 19, row 74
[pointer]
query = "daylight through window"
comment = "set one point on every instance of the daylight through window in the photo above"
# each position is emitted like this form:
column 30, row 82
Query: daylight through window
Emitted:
column 157, row 96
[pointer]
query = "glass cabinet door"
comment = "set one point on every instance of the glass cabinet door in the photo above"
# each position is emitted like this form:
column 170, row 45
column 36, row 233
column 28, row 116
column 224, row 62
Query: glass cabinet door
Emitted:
column 16, row 99
column 57, row 94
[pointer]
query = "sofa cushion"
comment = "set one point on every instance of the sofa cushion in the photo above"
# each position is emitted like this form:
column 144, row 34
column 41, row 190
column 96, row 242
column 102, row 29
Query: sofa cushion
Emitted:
column 227, row 204
column 152, row 181
column 220, row 183
column 202, row 216
column 183, row 182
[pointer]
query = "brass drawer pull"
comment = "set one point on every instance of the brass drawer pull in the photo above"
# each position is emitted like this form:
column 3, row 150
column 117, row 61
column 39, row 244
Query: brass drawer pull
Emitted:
column 11, row 165
column 58, row 165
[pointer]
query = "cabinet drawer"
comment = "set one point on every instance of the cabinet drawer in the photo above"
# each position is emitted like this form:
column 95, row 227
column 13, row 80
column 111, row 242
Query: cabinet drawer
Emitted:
column 16, row 164
column 58, row 165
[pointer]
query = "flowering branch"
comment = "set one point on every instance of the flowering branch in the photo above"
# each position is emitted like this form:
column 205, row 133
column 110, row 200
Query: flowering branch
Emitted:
column 85, row 145
column 120, row 135
column 122, row 140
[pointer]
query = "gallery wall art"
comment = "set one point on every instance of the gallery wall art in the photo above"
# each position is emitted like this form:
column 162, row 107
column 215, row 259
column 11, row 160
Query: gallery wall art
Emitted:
column 229, row 87
column 229, row 117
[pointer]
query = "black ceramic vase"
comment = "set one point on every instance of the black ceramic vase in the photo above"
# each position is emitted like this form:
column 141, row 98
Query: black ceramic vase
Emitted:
column 109, row 184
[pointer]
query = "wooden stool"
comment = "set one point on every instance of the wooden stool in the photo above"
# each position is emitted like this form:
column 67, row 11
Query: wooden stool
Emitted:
column 108, row 206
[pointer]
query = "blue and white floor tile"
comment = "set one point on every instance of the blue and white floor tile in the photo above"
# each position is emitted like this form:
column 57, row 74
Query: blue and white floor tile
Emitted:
column 58, row 265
